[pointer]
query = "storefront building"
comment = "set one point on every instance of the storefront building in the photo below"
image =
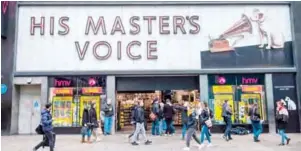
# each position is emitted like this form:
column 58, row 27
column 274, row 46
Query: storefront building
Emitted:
column 93, row 51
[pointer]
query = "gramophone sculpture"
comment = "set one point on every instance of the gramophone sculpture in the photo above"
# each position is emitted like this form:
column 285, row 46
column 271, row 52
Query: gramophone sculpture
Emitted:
column 221, row 44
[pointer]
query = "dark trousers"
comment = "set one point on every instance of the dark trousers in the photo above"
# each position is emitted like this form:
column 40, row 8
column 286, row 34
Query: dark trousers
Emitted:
column 48, row 140
column 228, row 122
column 168, row 125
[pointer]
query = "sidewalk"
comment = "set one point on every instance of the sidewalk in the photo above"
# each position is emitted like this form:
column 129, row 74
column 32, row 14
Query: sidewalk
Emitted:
column 119, row 142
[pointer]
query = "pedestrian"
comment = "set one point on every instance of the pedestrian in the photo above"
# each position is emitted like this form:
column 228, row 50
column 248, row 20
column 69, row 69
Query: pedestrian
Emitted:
column 93, row 121
column 155, row 123
column 256, row 121
column 168, row 112
column 140, row 128
column 109, row 113
column 86, row 130
column 184, row 117
column 206, row 123
column 227, row 114
column 133, row 122
column 191, row 128
column 161, row 119
column 46, row 122
column 282, row 118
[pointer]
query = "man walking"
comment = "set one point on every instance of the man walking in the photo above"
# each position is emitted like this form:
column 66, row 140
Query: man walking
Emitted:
column 109, row 113
column 139, row 120
column 46, row 122
column 226, row 114
column 255, row 120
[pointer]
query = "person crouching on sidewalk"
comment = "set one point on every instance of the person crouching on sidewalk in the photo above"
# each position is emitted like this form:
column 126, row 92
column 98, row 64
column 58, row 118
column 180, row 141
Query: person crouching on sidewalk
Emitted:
column 191, row 128
column 86, row 126
column 282, row 121
column 140, row 128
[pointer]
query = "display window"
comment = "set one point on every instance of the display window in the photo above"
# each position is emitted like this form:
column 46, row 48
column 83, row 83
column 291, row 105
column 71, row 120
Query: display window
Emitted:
column 69, row 96
column 241, row 91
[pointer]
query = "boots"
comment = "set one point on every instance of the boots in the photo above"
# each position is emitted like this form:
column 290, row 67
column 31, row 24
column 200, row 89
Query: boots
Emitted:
column 83, row 140
column 51, row 148
column 89, row 140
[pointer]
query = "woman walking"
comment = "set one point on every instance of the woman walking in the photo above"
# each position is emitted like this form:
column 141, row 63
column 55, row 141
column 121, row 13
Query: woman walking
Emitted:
column 256, row 122
column 206, row 123
column 282, row 121
column 191, row 128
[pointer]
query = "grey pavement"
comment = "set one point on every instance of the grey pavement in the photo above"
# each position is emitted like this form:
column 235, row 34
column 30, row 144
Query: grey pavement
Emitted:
column 119, row 142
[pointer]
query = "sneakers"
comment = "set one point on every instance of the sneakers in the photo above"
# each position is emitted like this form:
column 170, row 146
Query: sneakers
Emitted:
column 135, row 143
column 225, row 138
column 288, row 141
column 201, row 146
column 148, row 142
column 210, row 145
column 186, row 148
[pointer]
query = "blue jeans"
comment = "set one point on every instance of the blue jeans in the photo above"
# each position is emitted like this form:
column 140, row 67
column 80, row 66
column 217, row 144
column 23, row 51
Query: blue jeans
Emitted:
column 281, row 132
column 205, row 132
column 228, row 122
column 108, row 125
column 257, row 129
column 164, row 126
column 155, row 127
column 172, row 127
column 161, row 127
column 184, row 128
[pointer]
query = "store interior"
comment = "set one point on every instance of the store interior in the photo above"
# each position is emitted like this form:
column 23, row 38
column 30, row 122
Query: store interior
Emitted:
column 125, row 101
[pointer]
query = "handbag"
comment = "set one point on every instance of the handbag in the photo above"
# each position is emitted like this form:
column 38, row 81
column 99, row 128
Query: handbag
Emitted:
column 208, row 122
column 152, row 116
column 39, row 129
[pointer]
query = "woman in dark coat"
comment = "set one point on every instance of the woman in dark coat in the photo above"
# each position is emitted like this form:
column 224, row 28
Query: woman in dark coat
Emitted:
column 86, row 125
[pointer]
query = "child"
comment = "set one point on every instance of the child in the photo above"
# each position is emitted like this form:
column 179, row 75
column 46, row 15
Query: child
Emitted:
column 192, row 127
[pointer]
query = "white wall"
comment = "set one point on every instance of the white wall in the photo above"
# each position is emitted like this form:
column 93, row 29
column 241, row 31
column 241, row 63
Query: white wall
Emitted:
column 175, row 52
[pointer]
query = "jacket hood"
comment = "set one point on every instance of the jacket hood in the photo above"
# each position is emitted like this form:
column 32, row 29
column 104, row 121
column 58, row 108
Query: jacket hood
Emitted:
column 44, row 111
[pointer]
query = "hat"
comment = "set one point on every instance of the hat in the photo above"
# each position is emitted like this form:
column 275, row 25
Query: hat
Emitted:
column 48, row 105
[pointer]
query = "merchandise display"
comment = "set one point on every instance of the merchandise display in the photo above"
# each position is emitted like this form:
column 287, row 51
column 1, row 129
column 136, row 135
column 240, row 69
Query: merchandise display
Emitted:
column 62, row 111
column 126, row 102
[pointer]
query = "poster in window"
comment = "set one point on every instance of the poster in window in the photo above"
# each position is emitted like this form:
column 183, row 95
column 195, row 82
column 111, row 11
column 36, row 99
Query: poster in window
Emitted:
column 62, row 111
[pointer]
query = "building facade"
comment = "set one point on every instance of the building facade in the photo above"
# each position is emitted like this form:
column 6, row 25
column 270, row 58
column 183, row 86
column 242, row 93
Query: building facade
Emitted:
column 92, row 51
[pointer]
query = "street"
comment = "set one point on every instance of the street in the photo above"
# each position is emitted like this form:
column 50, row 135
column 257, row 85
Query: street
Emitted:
column 269, row 142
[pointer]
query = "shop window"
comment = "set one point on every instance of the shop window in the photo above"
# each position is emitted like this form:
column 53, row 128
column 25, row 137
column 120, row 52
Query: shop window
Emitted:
column 70, row 95
column 241, row 91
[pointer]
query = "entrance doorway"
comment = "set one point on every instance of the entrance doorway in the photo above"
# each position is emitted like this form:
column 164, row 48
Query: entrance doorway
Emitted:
column 29, row 108
column 174, row 88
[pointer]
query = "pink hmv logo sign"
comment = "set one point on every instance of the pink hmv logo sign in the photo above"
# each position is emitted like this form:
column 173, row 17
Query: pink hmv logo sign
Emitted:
column 220, row 80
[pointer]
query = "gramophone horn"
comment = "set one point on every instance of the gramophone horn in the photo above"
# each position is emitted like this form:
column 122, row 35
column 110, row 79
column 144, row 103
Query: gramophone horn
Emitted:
column 241, row 26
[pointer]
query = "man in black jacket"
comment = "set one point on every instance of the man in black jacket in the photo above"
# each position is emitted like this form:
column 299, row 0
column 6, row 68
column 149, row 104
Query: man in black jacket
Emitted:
column 139, row 120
